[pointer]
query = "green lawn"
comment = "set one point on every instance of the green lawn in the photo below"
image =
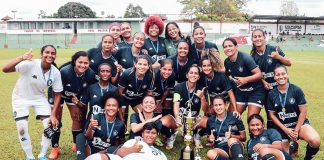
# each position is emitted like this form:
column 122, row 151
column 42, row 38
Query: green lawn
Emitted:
column 307, row 72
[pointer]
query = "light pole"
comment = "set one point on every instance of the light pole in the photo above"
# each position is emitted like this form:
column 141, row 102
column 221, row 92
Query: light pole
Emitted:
column 14, row 14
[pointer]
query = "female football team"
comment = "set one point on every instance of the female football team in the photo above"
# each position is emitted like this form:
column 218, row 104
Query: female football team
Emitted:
column 165, row 80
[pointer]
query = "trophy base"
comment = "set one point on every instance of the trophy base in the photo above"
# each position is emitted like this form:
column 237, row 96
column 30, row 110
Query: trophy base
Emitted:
column 187, row 155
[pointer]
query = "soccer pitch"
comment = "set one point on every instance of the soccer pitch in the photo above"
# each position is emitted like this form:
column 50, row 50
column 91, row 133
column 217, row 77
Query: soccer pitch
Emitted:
column 307, row 71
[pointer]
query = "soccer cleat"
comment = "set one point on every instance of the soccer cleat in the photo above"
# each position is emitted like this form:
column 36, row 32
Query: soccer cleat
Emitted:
column 74, row 148
column 54, row 154
column 197, row 141
column 43, row 158
column 171, row 140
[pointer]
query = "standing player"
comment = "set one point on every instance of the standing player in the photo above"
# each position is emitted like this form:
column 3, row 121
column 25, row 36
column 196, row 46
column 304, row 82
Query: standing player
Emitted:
column 35, row 77
column 181, row 61
column 199, row 35
column 267, row 57
column 126, row 35
column 135, row 83
column 242, row 70
column 173, row 36
column 76, row 77
column 154, row 44
column 126, row 56
column 287, row 109
column 104, row 54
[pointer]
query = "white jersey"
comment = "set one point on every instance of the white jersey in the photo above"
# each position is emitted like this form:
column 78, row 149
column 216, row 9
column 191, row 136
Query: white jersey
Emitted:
column 32, row 83
column 147, row 152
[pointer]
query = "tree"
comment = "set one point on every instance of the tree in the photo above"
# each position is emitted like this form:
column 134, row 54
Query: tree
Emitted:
column 41, row 14
column 289, row 8
column 134, row 11
column 213, row 9
column 75, row 10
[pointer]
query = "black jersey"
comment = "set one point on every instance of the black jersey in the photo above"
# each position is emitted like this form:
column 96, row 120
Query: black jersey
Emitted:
column 286, row 109
column 73, row 84
column 221, row 127
column 161, row 85
column 96, row 60
column 156, row 49
column 125, row 57
column 197, row 55
column 134, row 88
column 180, row 70
column 218, row 85
column 242, row 67
column 93, row 96
column 186, row 98
column 267, row 64
column 266, row 137
column 107, row 134
column 134, row 118
column 124, row 44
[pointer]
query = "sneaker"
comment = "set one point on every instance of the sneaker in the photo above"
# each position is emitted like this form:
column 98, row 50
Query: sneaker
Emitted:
column 42, row 158
column 74, row 148
column 197, row 141
column 54, row 154
column 158, row 142
column 170, row 141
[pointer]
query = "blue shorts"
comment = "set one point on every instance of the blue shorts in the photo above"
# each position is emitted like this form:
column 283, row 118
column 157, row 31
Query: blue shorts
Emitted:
column 255, row 97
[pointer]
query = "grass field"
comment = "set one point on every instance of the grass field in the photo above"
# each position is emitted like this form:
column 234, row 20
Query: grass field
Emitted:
column 307, row 72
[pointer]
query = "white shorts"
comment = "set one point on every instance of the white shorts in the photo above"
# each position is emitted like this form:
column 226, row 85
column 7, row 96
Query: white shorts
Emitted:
column 21, row 107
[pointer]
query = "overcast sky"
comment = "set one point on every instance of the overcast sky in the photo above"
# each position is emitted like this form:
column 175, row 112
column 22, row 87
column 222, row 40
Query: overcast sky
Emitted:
column 31, row 8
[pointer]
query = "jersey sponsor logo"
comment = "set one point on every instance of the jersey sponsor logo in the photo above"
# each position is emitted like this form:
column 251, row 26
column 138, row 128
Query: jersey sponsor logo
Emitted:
column 97, row 142
column 68, row 85
column 240, row 69
column 92, row 61
column 124, row 60
column 292, row 100
column 133, row 94
column 269, row 60
column 67, row 93
column 283, row 115
column 267, row 75
column 96, row 109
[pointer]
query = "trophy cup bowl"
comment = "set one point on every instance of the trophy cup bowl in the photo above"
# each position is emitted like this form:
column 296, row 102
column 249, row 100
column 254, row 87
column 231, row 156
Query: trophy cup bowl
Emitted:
column 187, row 152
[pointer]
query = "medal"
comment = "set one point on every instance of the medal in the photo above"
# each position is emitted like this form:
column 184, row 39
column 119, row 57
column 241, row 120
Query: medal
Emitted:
column 108, row 140
column 284, row 110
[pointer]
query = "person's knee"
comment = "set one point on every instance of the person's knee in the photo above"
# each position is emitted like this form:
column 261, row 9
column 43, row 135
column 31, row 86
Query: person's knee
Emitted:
column 22, row 126
column 45, row 122
column 231, row 141
column 264, row 151
column 96, row 156
column 315, row 141
column 211, row 154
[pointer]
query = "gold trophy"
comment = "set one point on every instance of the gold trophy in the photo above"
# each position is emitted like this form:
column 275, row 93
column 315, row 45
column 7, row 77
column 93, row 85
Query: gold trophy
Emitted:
column 188, row 153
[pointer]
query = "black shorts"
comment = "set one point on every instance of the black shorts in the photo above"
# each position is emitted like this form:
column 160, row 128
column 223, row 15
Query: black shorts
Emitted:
column 255, row 97
column 284, row 136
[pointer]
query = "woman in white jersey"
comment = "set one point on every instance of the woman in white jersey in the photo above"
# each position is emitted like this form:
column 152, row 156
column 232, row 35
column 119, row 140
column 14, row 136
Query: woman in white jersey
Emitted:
column 35, row 76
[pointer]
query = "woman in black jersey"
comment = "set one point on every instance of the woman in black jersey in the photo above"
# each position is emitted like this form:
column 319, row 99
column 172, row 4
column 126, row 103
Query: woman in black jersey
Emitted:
column 164, row 85
column 106, row 131
column 200, row 44
column 226, row 131
column 265, row 144
column 76, row 77
column 126, row 56
column 114, row 30
column 189, row 98
column 154, row 44
column 126, row 35
column 104, row 54
column 181, row 61
column 267, row 57
column 135, row 83
column 173, row 36
column 246, row 78
column 287, row 109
